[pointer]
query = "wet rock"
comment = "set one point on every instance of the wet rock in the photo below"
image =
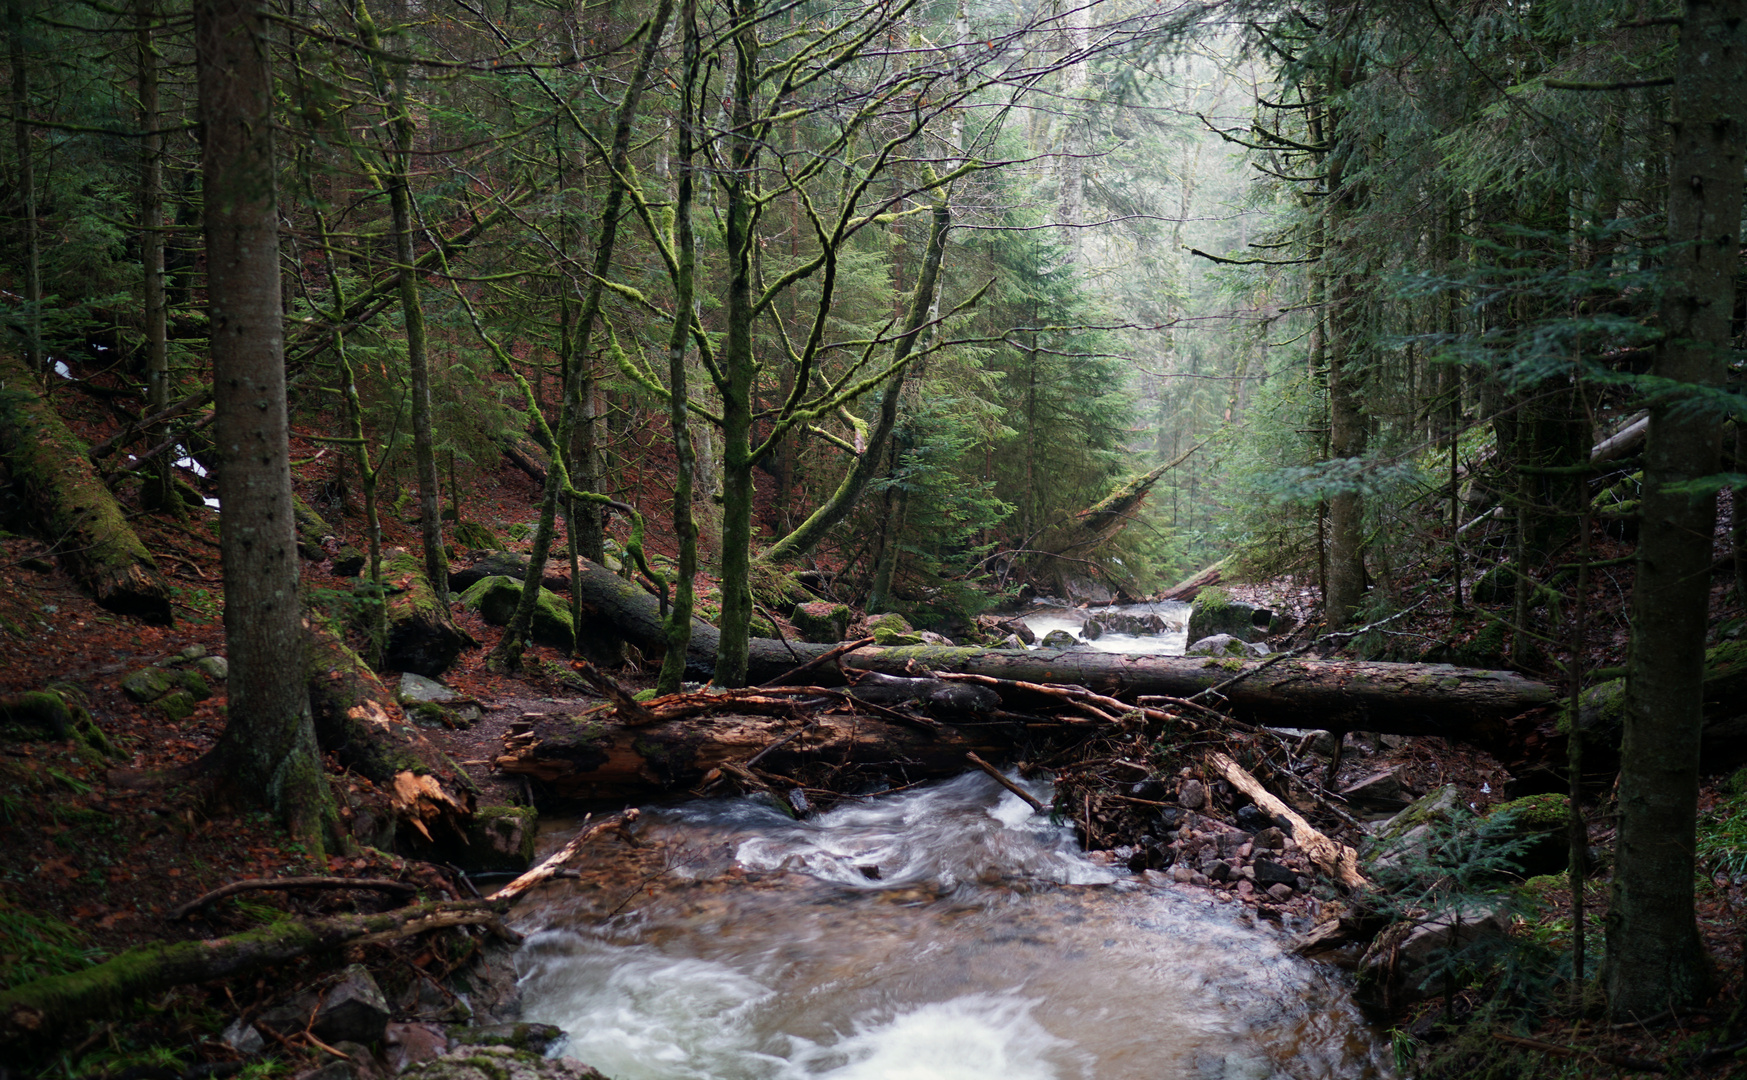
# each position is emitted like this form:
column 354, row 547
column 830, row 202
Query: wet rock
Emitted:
column 1058, row 639
column 1182, row 874
column 1091, row 629
column 1192, row 794
column 193, row 652
column 1395, row 965
column 1151, row 790
column 500, row 1063
column 533, row 1038
column 354, row 1009
column 243, row 1038
column 349, row 562
column 500, row 838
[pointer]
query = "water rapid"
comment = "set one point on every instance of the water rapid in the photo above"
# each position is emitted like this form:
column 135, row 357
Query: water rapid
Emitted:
column 945, row 933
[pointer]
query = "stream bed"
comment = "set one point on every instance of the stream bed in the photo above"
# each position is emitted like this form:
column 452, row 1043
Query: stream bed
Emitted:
column 1171, row 641
column 942, row 933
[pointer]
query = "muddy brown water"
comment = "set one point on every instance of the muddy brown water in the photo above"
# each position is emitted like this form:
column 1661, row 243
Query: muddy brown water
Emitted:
column 943, row 933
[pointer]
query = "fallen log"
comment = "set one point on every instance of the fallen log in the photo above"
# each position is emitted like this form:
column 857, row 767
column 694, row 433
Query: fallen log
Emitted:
column 597, row 758
column 76, row 512
column 41, row 1010
column 1464, row 704
column 1187, row 589
column 358, row 721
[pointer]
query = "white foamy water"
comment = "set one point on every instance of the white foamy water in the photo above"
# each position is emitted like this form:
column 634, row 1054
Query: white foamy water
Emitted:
column 942, row 934
column 1171, row 642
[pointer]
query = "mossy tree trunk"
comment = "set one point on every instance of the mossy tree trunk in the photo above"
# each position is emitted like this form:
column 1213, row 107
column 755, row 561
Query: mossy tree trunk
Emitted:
column 677, row 632
column 75, row 511
column 156, row 310
column 507, row 656
column 31, row 330
column 268, row 752
column 1655, row 957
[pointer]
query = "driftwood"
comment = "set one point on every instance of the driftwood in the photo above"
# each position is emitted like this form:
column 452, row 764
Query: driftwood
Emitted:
column 552, row 865
column 42, row 1009
column 1336, row 860
column 75, row 512
column 406, row 888
column 1001, row 778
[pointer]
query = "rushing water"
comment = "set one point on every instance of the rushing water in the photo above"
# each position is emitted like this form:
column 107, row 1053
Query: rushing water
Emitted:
column 946, row 933
column 1172, row 642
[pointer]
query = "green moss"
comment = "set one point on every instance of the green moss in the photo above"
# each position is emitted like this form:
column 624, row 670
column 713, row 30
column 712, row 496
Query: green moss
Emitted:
column 147, row 685
column 39, row 712
column 1536, row 813
column 433, row 714
column 194, row 684
column 1602, row 709
column 892, row 621
column 886, row 636
column 178, row 705
column 1213, row 598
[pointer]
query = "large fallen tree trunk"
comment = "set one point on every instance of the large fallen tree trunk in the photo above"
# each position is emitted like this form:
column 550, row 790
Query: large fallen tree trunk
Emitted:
column 603, row 758
column 1464, row 704
column 422, row 636
column 77, row 514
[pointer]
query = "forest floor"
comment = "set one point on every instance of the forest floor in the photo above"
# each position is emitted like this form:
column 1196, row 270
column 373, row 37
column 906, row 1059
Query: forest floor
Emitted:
column 89, row 867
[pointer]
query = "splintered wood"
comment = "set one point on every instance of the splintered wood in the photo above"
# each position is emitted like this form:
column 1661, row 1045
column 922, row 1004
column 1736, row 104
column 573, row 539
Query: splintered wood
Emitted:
column 1335, row 859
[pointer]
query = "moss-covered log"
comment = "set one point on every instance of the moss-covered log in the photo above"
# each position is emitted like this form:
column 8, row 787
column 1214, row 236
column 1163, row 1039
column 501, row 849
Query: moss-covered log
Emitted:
column 422, row 637
column 76, row 513
column 1465, row 704
column 311, row 528
column 40, row 1011
column 358, row 721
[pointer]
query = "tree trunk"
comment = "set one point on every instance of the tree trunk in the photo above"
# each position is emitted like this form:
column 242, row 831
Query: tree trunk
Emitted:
column 357, row 720
column 268, row 749
column 610, row 761
column 1408, row 699
column 152, row 251
column 75, row 512
column 843, row 500
column 1655, row 958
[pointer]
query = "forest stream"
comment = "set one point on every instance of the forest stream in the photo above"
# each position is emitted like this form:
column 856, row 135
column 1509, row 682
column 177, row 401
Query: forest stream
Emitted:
column 943, row 932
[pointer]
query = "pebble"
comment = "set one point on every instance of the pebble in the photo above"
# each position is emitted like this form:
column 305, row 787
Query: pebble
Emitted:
column 1280, row 892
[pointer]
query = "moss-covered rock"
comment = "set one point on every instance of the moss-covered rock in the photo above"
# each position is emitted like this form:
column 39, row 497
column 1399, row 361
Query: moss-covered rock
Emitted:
column 495, row 599
column 177, row 705
column 820, row 622
column 885, row 635
column 35, row 715
column 1214, row 612
column 471, row 534
column 1543, row 821
column 1497, row 585
column 193, row 683
column 147, row 685
column 891, row 620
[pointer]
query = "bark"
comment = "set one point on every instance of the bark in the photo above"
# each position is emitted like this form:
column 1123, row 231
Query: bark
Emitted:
column 1655, row 957
column 422, row 638
column 1465, row 704
column 1187, row 589
column 268, row 749
column 75, row 511
column 356, row 719
column 1349, row 426
column 40, row 1011
column 525, row 454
